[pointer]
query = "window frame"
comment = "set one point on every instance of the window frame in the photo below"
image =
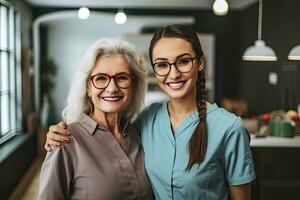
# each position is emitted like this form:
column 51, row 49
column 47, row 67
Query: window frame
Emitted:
column 13, row 65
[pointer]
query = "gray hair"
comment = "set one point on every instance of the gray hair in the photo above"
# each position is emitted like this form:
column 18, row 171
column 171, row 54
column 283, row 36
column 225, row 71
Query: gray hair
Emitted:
column 78, row 101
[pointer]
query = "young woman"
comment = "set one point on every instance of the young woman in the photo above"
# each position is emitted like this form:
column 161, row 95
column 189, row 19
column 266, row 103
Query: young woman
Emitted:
column 104, row 159
column 193, row 149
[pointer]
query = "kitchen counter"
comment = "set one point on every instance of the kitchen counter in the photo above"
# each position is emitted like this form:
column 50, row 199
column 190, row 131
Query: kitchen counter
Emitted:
column 275, row 142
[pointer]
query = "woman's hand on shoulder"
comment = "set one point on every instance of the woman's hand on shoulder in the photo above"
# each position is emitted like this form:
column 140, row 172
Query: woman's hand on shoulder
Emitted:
column 56, row 135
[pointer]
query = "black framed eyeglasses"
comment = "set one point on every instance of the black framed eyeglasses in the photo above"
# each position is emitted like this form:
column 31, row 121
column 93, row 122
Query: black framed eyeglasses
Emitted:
column 102, row 80
column 183, row 65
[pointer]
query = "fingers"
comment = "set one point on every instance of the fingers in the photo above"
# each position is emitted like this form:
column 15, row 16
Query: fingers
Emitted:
column 50, row 144
column 48, row 147
column 62, row 125
column 59, row 129
column 55, row 137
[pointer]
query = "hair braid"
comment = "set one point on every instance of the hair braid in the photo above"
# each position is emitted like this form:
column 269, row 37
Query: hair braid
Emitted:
column 201, row 96
column 198, row 142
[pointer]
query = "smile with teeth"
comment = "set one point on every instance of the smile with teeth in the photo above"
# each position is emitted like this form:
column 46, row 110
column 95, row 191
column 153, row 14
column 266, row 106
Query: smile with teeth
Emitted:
column 112, row 98
column 176, row 85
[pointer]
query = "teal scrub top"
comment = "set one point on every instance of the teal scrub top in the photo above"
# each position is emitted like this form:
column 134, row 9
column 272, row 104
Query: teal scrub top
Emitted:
column 228, row 160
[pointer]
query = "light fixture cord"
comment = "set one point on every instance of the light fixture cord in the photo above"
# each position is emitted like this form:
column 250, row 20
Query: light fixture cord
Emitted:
column 259, row 20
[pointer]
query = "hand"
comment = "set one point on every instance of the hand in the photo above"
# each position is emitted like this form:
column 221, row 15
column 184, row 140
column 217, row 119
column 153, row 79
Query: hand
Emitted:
column 56, row 135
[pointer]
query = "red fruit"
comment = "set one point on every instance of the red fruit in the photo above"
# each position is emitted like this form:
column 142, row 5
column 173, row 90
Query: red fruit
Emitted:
column 265, row 117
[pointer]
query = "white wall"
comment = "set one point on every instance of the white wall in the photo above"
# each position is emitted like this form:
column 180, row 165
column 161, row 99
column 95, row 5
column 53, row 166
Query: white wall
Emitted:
column 68, row 38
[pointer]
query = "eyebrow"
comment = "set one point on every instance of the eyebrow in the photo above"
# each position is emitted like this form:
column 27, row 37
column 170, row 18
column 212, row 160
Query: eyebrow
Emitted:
column 177, row 57
column 99, row 73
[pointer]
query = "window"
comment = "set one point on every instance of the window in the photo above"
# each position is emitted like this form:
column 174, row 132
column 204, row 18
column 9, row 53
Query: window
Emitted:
column 10, row 105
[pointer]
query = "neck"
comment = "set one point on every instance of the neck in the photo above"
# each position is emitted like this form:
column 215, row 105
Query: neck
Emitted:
column 111, row 121
column 183, row 106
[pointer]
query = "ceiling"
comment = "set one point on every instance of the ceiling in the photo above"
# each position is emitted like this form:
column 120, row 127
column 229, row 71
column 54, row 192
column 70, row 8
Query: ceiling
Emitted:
column 163, row 4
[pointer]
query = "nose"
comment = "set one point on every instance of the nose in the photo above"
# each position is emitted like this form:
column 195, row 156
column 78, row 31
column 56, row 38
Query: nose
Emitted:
column 174, row 73
column 112, row 86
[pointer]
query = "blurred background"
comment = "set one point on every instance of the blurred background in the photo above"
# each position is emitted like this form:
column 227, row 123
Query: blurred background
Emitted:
column 41, row 42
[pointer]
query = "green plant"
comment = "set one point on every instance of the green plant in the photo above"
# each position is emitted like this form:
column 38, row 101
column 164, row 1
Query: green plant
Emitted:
column 48, row 72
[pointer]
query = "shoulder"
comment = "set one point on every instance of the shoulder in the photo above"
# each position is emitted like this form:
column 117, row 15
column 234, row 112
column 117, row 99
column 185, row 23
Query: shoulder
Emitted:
column 74, row 127
column 220, row 116
column 58, row 154
column 229, row 122
column 76, row 135
column 79, row 129
column 148, row 115
column 150, row 110
column 235, row 127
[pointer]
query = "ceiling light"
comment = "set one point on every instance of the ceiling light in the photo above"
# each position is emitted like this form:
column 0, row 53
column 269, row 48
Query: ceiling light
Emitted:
column 259, row 52
column 294, row 53
column 220, row 7
column 120, row 17
column 83, row 13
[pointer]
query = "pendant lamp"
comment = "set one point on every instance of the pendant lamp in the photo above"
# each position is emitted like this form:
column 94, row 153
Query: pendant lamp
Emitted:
column 259, row 51
column 83, row 13
column 220, row 7
column 120, row 17
column 294, row 53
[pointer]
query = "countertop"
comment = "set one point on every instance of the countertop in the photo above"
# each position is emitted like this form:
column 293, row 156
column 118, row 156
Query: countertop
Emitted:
column 275, row 142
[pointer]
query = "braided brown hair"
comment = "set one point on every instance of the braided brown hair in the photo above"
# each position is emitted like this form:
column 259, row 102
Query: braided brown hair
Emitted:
column 198, row 141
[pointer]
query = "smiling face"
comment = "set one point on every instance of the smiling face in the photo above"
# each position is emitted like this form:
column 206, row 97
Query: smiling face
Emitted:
column 176, row 84
column 111, row 99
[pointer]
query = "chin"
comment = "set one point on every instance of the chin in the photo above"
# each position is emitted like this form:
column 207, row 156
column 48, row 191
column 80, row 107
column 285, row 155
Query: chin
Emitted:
column 111, row 110
column 112, row 107
column 178, row 94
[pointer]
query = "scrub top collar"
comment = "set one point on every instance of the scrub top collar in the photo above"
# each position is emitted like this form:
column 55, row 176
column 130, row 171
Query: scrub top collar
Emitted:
column 189, row 120
column 194, row 115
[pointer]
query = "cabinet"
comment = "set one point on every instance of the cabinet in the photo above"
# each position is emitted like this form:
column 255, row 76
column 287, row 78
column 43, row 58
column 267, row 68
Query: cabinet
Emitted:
column 278, row 173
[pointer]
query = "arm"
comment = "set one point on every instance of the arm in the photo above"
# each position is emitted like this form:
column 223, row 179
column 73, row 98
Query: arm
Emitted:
column 56, row 135
column 238, row 162
column 240, row 192
column 56, row 176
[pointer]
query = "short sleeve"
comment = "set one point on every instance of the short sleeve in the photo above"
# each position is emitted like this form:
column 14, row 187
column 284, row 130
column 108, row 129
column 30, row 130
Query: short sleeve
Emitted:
column 56, row 175
column 237, row 160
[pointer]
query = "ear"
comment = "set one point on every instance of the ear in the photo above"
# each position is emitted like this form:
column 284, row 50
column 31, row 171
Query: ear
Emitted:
column 201, row 63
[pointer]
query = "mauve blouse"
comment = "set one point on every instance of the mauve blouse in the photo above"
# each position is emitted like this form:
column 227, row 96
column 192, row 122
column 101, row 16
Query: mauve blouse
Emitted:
column 94, row 166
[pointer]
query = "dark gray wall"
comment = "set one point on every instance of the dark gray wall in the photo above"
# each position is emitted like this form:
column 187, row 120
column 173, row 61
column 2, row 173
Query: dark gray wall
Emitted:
column 281, row 31
column 227, row 38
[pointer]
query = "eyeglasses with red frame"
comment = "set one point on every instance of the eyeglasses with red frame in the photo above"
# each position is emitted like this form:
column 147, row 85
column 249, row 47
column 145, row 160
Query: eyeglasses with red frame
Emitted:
column 101, row 80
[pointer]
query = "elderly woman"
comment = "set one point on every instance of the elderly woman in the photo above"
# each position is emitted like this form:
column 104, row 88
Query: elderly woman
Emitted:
column 104, row 159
